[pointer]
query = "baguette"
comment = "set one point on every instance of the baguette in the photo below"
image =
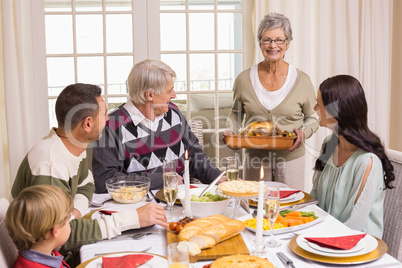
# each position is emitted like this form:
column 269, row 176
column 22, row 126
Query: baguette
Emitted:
column 218, row 233
column 199, row 226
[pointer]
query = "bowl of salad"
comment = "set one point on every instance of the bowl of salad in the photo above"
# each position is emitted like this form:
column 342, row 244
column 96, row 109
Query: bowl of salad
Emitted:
column 208, row 204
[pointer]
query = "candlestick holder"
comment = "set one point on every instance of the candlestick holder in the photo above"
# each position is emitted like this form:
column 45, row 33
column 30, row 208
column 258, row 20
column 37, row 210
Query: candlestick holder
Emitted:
column 258, row 250
column 188, row 213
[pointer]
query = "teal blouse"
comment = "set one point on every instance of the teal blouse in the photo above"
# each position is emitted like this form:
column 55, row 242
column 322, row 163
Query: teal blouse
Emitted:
column 336, row 189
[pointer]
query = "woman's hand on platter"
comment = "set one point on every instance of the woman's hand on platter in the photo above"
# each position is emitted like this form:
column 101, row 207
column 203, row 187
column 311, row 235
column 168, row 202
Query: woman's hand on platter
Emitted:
column 299, row 140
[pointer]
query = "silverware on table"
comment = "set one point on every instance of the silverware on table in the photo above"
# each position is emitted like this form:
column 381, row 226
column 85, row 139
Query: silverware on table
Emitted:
column 96, row 204
column 104, row 253
column 245, row 205
column 288, row 262
column 299, row 205
column 212, row 183
column 156, row 199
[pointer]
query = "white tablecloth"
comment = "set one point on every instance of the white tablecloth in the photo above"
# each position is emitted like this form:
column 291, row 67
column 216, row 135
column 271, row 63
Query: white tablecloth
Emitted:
column 158, row 241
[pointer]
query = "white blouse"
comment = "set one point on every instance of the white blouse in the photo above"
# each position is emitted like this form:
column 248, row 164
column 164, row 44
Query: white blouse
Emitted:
column 271, row 99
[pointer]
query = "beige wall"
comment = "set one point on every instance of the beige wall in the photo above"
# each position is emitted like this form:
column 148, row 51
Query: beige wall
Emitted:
column 396, row 80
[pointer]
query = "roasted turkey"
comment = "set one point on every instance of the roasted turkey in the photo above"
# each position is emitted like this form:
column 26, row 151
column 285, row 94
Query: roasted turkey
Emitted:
column 263, row 128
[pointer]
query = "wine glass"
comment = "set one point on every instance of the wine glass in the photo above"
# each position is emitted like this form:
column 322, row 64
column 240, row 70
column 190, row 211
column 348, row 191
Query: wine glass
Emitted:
column 177, row 256
column 232, row 168
column 271, row 206
column 232, row 173
column 170, row 189
column 169, row 166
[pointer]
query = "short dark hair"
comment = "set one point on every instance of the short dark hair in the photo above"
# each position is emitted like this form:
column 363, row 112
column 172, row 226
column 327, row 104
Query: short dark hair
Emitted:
column 75, row 103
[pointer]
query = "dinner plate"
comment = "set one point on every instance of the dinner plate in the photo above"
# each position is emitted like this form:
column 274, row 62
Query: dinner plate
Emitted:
column 156, row 261
column 377, row 253
column 359, row 246
column 292, row 198
column 318, row 212
column 369, row 243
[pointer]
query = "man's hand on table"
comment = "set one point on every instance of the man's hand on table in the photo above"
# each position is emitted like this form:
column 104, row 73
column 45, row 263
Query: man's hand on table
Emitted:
column 152, row 214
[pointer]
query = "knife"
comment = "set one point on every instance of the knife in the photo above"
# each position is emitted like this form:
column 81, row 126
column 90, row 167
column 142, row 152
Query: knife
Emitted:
column 156, row 199
column 288, row 262
column 299, row 205
column 244, row 204
column 212, row 183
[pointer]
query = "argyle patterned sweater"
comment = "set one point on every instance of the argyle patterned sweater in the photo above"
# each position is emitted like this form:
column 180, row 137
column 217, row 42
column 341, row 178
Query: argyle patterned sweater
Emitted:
column 136, row 150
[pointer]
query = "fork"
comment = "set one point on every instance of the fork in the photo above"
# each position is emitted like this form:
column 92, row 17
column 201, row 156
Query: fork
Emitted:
column 104, row 253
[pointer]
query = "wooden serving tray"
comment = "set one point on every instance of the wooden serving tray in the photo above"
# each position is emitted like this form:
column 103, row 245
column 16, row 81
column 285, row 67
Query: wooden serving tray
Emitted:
column 258, row 142
column 234, row 245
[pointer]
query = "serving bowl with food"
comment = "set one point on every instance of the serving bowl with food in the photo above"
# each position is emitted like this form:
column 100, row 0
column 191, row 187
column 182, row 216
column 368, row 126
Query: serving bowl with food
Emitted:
column 128, row 189
column 209, row 204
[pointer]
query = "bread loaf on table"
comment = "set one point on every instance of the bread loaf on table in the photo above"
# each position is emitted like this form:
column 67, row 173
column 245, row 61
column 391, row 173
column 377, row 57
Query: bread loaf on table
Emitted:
column 218, row 233
column 198, row 226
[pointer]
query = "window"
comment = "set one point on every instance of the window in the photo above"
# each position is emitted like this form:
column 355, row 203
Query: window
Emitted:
column 204, row 41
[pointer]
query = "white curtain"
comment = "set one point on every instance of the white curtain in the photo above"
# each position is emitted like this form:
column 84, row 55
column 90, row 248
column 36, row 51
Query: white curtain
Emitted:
column 334, row 37
column 24, row 103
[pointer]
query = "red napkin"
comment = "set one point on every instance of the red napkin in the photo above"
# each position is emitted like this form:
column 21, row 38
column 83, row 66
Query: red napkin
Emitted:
column 193, row 186
column 107, row 212
column 126, row 261
column 340, row 242
column 284, row 194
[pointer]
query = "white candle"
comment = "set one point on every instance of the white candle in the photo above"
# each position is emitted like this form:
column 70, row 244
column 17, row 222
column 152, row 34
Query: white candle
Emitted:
column 187, row 204
column 260, row 211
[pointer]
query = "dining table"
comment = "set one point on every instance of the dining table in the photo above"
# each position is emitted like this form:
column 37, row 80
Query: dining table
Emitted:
column 154, row 238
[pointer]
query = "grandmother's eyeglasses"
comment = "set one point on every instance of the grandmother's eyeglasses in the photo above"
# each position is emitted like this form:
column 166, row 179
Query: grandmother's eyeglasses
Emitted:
column 278, row 42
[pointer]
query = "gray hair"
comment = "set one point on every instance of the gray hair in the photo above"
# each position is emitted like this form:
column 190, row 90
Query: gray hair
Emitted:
column 147, row 75
column 273, row 21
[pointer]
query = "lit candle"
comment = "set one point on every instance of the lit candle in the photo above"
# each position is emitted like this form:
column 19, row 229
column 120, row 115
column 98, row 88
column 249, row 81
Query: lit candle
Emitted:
column 187, row 204
column 260, row 211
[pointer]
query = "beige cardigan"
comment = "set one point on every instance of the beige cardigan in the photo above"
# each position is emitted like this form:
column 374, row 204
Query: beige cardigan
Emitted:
column 295, row 111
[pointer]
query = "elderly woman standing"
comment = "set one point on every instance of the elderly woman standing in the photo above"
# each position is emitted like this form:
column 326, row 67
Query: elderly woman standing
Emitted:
column 275, row 90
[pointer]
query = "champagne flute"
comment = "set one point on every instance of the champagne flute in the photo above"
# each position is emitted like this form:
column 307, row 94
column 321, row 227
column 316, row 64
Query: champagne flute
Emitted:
column 177, row 256
column 170, row 189
column 169, row 166
column 232, row 168
column 232, row 173
column 271, row 206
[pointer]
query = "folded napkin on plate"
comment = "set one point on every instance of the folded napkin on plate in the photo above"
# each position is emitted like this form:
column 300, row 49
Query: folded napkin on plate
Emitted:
column 126, row 261
column 339, row 242
column 106, row 212
column 285, row 193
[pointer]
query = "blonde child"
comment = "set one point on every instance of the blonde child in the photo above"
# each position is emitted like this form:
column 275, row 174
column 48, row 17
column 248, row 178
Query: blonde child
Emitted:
column 38, row 223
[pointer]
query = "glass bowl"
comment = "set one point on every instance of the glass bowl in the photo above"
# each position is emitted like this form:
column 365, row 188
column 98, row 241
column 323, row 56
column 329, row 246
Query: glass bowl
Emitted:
column 128, row 190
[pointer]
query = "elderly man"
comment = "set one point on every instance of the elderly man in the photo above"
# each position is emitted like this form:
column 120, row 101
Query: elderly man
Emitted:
column 60, row 159
column 148, row 129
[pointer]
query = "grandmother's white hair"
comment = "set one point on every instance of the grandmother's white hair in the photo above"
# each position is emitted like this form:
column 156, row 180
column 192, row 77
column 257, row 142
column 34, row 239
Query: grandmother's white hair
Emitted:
column 273, row 21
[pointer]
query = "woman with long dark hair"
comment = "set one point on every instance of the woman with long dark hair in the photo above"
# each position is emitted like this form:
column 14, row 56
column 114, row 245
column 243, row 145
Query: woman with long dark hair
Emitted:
column 352, row 170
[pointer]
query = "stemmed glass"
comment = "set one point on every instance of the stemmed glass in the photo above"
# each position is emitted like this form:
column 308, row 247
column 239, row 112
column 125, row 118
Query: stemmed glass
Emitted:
column 169, row 167
column 232, row 168
column 170, row 189
column 232, row 173
column 271, row 206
